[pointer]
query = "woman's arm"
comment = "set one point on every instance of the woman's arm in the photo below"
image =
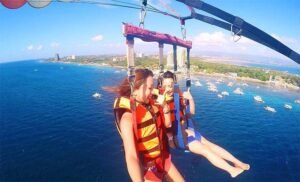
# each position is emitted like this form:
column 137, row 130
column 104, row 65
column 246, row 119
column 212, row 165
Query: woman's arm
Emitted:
column 132, row 160
column 187, row 95
column 167, row 116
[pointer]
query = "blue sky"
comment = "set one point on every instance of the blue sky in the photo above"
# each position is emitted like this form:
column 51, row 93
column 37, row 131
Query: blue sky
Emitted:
column 85, row 29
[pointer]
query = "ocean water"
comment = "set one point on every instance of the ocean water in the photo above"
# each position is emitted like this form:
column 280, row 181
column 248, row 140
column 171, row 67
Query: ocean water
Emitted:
column 295, row 69
column 52, row 129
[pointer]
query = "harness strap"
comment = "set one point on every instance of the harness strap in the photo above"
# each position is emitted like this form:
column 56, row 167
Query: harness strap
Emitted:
column 154, row 116
column 133, row 111
column 187, row 115
column 180, row 137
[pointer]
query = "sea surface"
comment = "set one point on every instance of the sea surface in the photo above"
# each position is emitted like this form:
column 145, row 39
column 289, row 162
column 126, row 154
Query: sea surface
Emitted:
column 52, row 129
column 295, row 69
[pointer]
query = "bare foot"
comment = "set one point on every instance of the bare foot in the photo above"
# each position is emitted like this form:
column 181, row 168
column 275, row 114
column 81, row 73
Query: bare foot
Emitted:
column 236, row 171
column 243, row 166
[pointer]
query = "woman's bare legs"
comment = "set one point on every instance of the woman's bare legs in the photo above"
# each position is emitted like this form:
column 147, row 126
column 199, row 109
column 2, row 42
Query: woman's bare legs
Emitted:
column 224, row 154
column 173, row 174
column 198, row 148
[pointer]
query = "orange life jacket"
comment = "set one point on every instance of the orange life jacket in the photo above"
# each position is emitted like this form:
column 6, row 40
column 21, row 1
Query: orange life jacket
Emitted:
column 150, row 133
column 171, row 104
column 173, row 130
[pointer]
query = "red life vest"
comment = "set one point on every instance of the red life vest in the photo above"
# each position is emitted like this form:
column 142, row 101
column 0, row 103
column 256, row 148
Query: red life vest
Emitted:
column 150, row 136
column 170, row 102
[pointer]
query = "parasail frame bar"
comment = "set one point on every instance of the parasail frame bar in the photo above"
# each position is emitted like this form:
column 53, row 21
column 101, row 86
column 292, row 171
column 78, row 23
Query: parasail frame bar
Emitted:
column 151, row 36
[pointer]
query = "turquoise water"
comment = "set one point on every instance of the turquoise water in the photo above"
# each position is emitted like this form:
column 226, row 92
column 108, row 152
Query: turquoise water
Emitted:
column 52, row 129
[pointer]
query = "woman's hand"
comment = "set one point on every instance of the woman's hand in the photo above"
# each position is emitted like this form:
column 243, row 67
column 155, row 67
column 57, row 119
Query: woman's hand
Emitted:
column 168, row 91
column 161, row 100
column 187, row 95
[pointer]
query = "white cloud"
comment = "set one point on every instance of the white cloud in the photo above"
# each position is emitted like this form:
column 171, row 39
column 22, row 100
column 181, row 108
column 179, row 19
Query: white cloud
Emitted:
column 34, row 48
column 97, row 38
column 206, row 38
column 221, row 39
column 246, row 41
column 54, row 44
column 30, row 47
column 223, row 42
column 286, row 40
column 292, row 43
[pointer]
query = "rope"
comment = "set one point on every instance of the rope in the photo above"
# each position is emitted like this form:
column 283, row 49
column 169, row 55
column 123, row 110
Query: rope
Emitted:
column 143, row 14
column 153, row 9
column 169, row 8
column 130, row 6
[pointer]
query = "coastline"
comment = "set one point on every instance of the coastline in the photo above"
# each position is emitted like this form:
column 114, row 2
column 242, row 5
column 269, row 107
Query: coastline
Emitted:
column 281, row 85
column 276, row 84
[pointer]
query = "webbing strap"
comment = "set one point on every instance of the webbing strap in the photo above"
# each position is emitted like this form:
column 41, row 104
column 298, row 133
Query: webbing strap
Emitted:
column 179, row 129
column 188, row 118
column 160, row 147
column 133, row 111
column 239, row 27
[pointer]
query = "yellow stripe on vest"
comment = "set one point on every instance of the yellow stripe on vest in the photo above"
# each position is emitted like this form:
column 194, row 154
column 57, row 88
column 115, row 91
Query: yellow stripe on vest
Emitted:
column 147, row 127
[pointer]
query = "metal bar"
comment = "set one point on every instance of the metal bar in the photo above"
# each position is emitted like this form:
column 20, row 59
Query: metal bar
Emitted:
column 151, row 36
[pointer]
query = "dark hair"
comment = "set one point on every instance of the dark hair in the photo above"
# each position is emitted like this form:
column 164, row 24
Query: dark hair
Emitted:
column 124, row 87
column 168, row 74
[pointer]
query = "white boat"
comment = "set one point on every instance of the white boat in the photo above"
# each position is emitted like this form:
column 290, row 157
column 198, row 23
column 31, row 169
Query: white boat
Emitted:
column 97, row 95
column 212, row 88
column 209, row 83
column 245, row 84
column 238, row 91
column 287, row 106
column 297, row 101
column 198, row 84
column 271, row 109
column 225, row 93
column 220, row 96
column 258, row 98
column 220, row 80
column 230, row 84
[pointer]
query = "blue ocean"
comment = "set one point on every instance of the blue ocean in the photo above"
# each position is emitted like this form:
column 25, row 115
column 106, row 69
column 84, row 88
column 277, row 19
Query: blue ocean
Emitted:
column 52, row 129
column 295, row 69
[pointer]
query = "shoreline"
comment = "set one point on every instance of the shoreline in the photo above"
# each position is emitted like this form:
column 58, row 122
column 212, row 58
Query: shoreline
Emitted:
column 251, row 80
column 275, row 84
